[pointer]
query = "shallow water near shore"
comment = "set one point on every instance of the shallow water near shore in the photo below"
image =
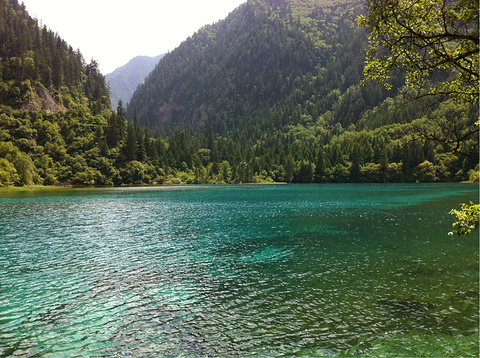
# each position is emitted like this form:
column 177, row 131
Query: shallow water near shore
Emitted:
column 238, row 271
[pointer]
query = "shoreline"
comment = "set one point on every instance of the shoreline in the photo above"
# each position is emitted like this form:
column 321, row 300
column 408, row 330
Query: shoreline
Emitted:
column 7, row 189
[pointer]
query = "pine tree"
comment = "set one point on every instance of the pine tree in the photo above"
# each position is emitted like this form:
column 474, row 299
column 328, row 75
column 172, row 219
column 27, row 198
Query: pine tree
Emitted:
column 130, row 147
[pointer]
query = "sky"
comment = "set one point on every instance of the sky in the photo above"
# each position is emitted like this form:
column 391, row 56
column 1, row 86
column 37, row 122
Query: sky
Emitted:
column 114, row 31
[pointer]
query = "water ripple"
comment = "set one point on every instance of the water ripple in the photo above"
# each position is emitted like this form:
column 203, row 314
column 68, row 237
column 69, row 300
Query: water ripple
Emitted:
column 237, row 271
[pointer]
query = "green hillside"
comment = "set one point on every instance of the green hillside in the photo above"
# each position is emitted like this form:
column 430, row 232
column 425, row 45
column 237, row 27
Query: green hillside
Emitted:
column 279, row 60
column 270, row 94
column 34, row 61
column 279, row 83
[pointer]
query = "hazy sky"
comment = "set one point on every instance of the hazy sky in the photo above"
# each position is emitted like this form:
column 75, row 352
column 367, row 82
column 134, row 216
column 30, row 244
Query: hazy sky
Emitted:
column 114, row 31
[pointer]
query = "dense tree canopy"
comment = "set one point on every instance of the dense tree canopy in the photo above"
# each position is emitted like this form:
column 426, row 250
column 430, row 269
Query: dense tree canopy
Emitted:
column 33, row 56
column 274, row 98
column 430, row 40
column 266, row 65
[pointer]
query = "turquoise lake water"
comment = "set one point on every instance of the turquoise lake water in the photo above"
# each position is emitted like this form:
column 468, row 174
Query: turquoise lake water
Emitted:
column 238, row 271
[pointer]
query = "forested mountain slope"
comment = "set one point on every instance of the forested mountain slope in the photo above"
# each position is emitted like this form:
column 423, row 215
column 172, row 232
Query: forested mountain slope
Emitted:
column 270, row 94
column 277, row 60
column 283, row 78
column 124, row 80
column 54, row 107
column 32, row 58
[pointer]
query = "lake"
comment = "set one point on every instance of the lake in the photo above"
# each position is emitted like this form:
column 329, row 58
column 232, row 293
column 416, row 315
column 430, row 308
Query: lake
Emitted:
column 238, row 271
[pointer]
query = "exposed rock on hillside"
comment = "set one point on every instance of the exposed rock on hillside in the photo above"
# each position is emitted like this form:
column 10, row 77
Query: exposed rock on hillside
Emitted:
column 43, row 100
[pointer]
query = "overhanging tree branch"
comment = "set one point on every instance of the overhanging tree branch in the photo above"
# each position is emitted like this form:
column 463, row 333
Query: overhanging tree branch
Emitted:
column 425, row 36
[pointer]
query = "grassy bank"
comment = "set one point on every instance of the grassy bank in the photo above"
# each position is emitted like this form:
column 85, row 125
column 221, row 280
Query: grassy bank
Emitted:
column 15, row 189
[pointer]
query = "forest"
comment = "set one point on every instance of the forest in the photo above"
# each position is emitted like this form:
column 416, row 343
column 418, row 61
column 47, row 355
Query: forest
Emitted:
column 271, row 94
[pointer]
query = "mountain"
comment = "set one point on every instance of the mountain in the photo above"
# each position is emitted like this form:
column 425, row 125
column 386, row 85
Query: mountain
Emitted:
column 279, row 58
column 270, row 94
column 39, row 69
column 274, row 92
column 125, row 80
column 54, row 107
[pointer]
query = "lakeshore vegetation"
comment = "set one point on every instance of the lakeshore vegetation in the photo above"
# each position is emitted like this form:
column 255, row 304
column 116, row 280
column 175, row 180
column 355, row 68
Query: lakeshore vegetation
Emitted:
column 273, row 93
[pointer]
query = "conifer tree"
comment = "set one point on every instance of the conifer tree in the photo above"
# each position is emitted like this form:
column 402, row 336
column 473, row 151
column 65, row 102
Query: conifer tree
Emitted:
column 130, row 147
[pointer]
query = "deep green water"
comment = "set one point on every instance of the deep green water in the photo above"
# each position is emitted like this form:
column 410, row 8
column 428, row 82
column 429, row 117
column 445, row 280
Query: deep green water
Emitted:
column 238, row 271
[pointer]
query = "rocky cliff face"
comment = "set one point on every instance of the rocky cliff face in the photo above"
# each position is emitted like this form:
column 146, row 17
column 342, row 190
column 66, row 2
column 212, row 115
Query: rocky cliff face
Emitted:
column 43, row 99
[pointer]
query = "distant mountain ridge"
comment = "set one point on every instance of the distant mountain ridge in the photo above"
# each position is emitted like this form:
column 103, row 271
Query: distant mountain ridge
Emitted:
column 125, row 80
